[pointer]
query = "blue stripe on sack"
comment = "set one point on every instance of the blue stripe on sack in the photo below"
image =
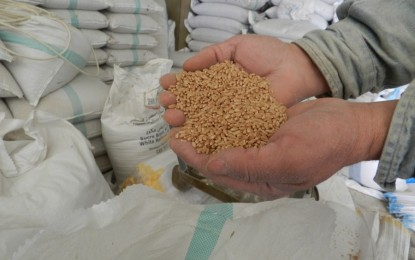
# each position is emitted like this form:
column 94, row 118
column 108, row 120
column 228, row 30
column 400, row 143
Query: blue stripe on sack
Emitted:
column 73, row 4
column 137, row 6
column 208, row 229
column 73, row 57
column 74, row 18
column 136, row 41
column 138, row 23
column 78, row 112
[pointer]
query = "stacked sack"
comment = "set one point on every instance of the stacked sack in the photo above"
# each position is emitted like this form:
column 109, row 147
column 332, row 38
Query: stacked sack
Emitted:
column 48, row 65
column 289, row 20
column 213, row 21
column 137, row 30
column 87, row 16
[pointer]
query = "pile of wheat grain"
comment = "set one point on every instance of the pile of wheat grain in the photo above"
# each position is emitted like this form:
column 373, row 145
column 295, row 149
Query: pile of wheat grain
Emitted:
column 226, row 107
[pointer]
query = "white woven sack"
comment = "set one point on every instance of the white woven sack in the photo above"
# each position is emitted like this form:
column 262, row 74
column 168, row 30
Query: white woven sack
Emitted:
column 55, row 174
column 179, row 57
column 246, row 4
column 8, row 85
column 162, row 34
column 276, row 2
column 214, row 22
column 4, row 54
column 132, row 125
column 98, row 56
column 132, row 57
column 284, row 28
column 32, row 2
column 80, row 100
column 134, row 6
column 103, row 162
column 276, row 12
column 90, row 129
column 100, row 73
column 82, row 19
column 97, row 38
column 196, row 45
column 98, row 147
column 222, row 10
column 152, row 225
column 210, row 35
column 300, row 9
column 131, row 23
column 93, row 5
column 38, row 78
column 122, row 41
column 5, row 109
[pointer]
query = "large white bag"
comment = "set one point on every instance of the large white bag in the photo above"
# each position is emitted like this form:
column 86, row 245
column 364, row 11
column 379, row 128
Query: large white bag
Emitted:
column 132, row 125
column 142, row 223
column 41, row 70
column 47, row 170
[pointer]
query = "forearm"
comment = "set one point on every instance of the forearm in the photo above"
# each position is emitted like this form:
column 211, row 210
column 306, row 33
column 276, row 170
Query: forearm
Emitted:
column 369, row 49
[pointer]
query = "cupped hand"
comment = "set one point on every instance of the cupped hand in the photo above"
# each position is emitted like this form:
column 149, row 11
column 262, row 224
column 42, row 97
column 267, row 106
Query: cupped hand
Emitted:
column 320, row 137
column 291, row 73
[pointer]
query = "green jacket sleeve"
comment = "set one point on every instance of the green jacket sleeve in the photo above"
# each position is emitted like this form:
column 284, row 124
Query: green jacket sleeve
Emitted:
column 371, row 48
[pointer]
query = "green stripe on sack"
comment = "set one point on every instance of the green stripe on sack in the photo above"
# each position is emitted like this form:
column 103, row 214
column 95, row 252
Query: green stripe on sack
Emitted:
column 74, row 18
column 71, row 56
column 73, row 4
column 138, row 23
column 208, row 229
column 136, row 41
column 137, row 6
column 78, row 111
column 135, row 56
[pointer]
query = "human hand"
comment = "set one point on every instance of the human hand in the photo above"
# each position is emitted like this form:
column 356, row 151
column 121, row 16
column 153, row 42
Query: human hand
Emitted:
column 291, row 73
column 319, row 138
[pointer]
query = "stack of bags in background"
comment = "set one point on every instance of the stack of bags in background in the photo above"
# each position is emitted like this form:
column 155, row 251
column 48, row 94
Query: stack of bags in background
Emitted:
column 127, row 33
column 86, row 16
column 138, row 32
column 57, row 83
column 289, row 20
column 213, row 21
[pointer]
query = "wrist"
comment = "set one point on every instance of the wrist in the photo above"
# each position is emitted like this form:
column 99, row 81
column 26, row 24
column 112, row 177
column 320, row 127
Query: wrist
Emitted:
column 314, row 83
column 374, row 126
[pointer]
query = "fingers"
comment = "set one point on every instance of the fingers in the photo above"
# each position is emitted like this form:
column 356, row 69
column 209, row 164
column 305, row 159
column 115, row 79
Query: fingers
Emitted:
column 166, row 98
column 187, row 153
column 174, row 117
column 168, row 80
